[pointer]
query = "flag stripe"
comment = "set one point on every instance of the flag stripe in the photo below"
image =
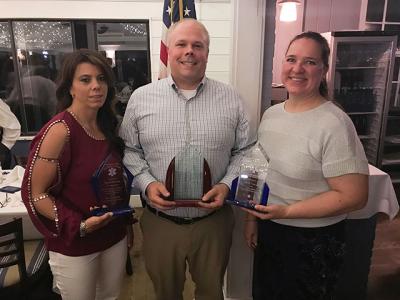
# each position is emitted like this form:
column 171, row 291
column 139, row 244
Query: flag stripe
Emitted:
column 180, row 10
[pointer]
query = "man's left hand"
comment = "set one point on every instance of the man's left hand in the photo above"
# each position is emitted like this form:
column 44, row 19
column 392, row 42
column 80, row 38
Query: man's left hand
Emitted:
column 215, row 197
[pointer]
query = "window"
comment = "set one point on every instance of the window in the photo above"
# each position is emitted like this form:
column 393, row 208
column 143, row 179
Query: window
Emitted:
column 31, row 60
column 126, row 47
column 40, row 47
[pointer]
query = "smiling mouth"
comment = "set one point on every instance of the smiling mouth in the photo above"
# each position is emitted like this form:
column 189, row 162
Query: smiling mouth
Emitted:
column 297, row 79
column 188, row 63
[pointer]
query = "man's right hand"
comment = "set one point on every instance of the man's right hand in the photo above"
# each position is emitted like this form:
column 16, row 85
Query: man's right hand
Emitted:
column 155, row 192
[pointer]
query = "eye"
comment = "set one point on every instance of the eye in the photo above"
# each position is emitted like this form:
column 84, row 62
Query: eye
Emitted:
column 311, row 62
column 290, row 59
column 180, row 45
column 101, row 78
column 198, row 46
column 85, row 79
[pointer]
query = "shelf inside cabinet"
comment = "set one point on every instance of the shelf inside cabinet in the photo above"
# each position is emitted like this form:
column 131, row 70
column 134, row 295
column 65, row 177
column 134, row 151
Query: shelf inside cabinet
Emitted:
column 357, row 68
column 366, row 136
column 391, row 159
column 362, row 113
column 393, row 139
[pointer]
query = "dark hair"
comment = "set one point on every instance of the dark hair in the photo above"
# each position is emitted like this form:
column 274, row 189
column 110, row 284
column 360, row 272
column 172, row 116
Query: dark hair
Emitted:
column 325, row 52
column 106, row 118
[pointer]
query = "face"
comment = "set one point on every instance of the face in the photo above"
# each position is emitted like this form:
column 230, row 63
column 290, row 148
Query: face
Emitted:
column 89, row 87
column 303, row 69
column 187, row 54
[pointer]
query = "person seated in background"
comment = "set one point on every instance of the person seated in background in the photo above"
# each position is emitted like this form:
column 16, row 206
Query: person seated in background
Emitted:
column 39, row 97
column 87, row 253
column 10, row 130
column 317, row 173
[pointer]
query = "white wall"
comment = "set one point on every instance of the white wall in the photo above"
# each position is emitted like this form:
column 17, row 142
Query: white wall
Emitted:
column 216, row 15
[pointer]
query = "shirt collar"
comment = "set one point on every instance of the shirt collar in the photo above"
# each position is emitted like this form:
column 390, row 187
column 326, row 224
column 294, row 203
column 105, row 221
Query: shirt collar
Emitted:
column 172, row 83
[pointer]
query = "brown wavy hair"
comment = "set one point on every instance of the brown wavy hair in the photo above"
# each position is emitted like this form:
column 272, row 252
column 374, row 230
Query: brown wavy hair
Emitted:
column 106, row 118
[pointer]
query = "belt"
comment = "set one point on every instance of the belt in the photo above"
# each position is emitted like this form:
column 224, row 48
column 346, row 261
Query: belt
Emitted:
column 177, row 220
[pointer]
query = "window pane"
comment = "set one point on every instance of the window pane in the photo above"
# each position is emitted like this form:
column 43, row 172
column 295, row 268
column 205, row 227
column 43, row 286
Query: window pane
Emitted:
column 373, row 27
column 375, row 10
column 396, row 31
column 396, row 69
column 40, row 50
column 393, row 11
column 7, row 77
column 126, row 45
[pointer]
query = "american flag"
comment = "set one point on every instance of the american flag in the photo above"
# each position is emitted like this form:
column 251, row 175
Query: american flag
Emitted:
column 174, row 10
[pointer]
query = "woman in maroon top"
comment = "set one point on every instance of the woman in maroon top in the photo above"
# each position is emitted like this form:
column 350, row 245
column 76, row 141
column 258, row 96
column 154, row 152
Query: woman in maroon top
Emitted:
column 87, row 253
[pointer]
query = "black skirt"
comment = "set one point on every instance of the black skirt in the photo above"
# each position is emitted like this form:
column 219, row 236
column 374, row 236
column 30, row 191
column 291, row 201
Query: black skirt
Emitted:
column 296, row 263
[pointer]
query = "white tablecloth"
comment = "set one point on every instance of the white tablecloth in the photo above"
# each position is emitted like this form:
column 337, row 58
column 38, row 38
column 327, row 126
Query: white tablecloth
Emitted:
column 14, row 207
column 381, row 197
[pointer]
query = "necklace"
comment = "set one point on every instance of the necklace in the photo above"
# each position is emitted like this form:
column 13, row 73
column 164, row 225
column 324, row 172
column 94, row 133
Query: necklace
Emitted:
column 88, row 132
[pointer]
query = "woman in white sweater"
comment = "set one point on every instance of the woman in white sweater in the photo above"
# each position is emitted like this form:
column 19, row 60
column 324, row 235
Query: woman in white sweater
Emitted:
column 317, row 173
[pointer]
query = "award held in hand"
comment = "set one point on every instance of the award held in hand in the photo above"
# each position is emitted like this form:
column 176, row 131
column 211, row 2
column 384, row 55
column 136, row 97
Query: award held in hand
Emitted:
column 111, row 183
column 188, row 177
column 250, row 188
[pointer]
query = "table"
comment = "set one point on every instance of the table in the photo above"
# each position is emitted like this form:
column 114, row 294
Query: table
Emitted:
column 14, row 207
column 360, row 229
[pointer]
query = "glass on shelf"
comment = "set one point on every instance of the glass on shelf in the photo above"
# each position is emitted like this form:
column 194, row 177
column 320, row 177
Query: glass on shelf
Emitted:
column 356, row 99
column 363, row 54
column 361, row 124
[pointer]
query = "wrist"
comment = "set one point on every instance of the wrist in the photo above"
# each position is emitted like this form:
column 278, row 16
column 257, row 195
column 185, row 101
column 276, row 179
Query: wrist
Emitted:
column 82, row 229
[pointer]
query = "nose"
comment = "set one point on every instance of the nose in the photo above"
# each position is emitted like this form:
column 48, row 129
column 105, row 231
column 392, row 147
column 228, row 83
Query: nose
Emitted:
column 95, row 84
column 189, row 50
column 298, row 67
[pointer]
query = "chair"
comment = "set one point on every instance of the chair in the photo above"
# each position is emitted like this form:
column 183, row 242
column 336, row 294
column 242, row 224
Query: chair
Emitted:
column 17, row 281
column 12, row 250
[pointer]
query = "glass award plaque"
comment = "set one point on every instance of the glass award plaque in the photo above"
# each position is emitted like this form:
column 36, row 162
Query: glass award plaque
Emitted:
column 250, row 188
column 188, row 177
column 111, row 183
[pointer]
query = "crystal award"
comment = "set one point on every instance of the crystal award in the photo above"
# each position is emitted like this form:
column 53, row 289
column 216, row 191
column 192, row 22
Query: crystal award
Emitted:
column 188, row 177
column 111, row 183
column 250, row 188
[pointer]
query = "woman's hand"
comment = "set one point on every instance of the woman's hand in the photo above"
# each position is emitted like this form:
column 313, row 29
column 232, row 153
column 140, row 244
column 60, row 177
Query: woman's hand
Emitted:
column 251, row 232
column 94, row 223
column 272, row 211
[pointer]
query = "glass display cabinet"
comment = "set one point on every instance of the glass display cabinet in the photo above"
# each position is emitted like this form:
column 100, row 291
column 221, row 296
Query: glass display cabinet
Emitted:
column 360, row 79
